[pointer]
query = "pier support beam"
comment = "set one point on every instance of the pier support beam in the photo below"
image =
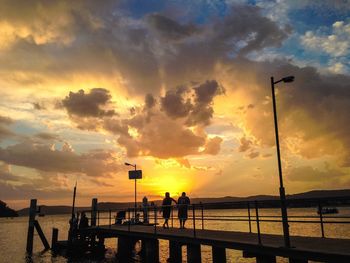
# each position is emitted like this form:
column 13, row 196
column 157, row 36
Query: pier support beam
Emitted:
column 30, row 234
column 175, row 252
column 125, row 247
column 294, row 260
column 150, row 250
column 260, row 258
column 93, row 211
column 41, row 234
column 219, row 254
column 54, row 239
column 194, row 253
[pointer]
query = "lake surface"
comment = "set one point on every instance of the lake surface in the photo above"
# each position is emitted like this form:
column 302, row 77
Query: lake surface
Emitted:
column 13, row 233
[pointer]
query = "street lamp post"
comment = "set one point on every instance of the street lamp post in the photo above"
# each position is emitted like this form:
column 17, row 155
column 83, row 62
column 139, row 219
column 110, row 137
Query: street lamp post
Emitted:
column 135, row 205
column 282, row 191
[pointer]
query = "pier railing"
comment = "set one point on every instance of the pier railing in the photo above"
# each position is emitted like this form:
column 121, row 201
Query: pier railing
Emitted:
column 199, row 217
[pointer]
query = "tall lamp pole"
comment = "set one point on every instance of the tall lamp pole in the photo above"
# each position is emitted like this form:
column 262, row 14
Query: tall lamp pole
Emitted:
column 282, row 191
column 135, row 205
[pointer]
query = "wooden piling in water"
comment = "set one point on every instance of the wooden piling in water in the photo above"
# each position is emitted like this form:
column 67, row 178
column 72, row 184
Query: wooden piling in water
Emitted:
column 194, row 253
column 294, row 260
column 93, row 211
column 175, row 253
column 125, row 248
column 30, row 234
column 54, row 239
column 41, row 234
column 218, row 254
column 150, row 250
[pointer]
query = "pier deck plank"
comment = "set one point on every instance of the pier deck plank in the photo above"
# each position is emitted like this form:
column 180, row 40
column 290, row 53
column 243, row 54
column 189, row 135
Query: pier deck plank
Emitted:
column 311, row 248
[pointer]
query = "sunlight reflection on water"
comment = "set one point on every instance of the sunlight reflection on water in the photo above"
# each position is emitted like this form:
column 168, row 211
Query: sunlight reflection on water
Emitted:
column 13, row 234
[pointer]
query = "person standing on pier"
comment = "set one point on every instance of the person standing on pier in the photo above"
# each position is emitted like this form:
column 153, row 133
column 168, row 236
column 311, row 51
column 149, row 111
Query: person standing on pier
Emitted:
column 145, row 207
column 84, row 221
column 183, row 203
column 166, row 208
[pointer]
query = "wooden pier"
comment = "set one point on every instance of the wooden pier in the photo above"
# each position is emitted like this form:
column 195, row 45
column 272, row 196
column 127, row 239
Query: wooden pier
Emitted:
column 263, row 247
column 303, row 248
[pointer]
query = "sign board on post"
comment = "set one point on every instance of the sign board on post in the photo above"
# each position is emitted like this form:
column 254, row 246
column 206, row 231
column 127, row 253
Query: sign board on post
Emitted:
column 135, row 174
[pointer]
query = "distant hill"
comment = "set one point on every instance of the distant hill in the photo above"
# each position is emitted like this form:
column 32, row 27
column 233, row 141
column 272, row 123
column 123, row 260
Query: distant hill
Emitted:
column 50, row 210
column 5, row 211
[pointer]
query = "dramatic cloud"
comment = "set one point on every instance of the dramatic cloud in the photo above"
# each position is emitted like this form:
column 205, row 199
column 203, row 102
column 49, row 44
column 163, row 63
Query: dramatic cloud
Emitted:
column 245, row 144
column 45, row 157
column 4, row 130
column 88, row 105
column 197, row 107
column 174, row 104
column 170, row 29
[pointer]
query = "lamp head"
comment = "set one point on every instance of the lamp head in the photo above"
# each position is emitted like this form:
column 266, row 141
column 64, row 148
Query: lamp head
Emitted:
column 127, row 164
column 288, row 79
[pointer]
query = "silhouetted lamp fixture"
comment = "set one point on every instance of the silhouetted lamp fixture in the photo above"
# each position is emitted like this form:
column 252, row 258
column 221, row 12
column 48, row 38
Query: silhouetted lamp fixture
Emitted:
column 135, row 204
column 282, row 190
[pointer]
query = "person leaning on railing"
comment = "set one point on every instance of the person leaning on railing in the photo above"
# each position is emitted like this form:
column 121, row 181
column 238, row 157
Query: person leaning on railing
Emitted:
column 183, row 203
column 166, row 208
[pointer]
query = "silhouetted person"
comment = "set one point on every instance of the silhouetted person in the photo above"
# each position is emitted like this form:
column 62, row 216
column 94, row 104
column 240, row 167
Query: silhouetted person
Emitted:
column 166, row 208
column 145, row 207
column 73, row 227
column 183, row 203
column 84, row 221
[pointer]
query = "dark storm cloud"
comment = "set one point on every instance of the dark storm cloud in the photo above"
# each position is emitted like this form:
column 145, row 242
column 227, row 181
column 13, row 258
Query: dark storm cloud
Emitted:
column 313, row 110
column 4, row 130
column 47, row 136
column 43, row 157
column 115, row 126
column 174, row 103
column 88, row 104
column 197, row 107
column 6, row 175
column 202, row 110
column 142, row 52
column 206, row 92
column 170, row 29
column 150, row 101
column 249, row 30
column 31, row 189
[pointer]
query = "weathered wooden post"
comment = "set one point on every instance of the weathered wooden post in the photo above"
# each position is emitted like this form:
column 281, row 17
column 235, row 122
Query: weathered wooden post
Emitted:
column 41, row 234
column 30, row 235
column 54, row 239
column 175, row 252
column 219, row 254
column 150, row 250
column 125, row 248
column 93, row 211
column 193, row 253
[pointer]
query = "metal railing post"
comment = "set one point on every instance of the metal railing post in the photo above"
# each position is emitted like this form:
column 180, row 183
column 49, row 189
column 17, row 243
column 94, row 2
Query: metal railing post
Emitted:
column 249, row 220
column 155, row 220
column 321, row 217
column 257, row 221
column 202, row 216
column 172, row 216
column 98, row 218
column 110, row 218
column 129, row 223
column 194, row 221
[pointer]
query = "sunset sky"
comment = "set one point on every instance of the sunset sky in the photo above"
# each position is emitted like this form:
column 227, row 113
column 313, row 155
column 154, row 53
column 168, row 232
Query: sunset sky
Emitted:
column 180, row 88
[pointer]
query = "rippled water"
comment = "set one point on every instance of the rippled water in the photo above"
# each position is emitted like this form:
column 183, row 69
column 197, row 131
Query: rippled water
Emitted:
column 13, row 233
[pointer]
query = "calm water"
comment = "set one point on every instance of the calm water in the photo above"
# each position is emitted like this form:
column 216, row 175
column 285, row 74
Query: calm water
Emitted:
column 13, row 234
